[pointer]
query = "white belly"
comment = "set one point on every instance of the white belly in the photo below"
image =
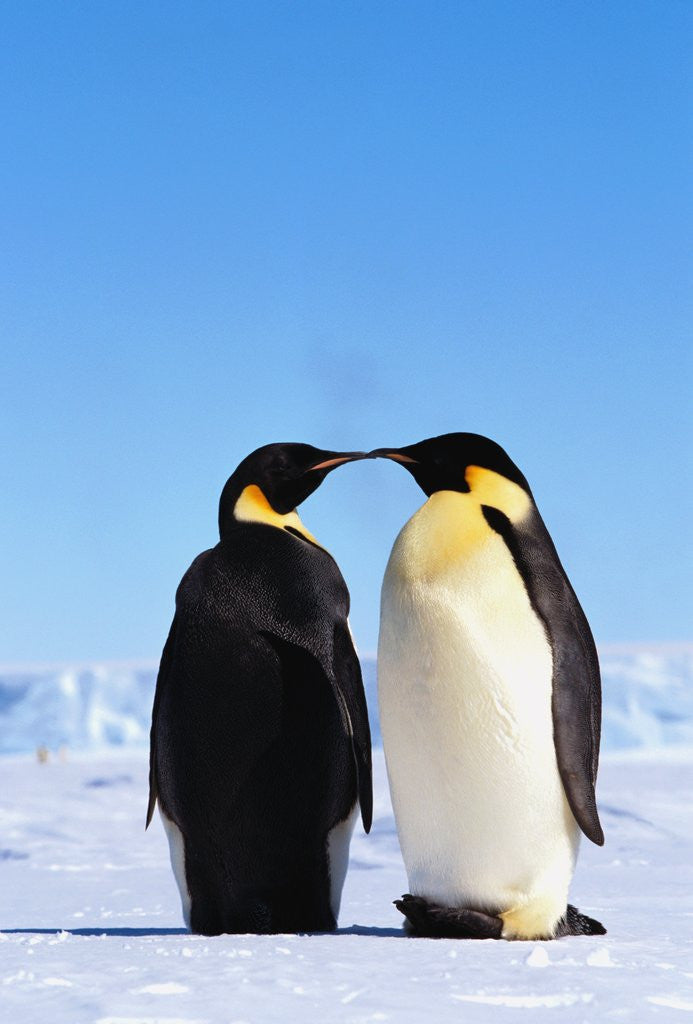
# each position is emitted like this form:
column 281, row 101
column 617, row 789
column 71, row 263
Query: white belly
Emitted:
column 338, row 841
column 464, row 685
column 176, row 849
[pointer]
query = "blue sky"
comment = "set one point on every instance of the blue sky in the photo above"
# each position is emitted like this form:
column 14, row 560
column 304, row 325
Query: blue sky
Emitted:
column 351, row 224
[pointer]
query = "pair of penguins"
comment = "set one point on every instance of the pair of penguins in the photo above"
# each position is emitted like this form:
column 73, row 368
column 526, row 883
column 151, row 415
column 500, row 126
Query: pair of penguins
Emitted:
column 489, row 696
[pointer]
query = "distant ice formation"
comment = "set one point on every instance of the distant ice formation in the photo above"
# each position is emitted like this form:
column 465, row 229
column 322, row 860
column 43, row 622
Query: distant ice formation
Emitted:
column 648, row 702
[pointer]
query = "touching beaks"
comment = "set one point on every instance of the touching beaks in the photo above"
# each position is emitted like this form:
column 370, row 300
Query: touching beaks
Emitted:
column 337, row 459
column 389, row 453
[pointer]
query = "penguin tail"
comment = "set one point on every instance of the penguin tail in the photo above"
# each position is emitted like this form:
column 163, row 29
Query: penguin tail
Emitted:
column 575, row 923
column 257, row 917
column 436, row 922
column 209, row 916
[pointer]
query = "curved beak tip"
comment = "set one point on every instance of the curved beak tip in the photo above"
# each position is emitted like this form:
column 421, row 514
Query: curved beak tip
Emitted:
column 391, row 453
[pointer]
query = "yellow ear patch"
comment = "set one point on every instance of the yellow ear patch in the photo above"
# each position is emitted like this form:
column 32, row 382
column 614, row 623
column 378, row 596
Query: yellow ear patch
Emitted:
column 493, row 489
column 253, row 507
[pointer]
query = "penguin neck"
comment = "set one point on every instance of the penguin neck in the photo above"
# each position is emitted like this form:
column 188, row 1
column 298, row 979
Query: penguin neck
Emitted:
column 437, row 536
column 451, row 526
column 252, row 506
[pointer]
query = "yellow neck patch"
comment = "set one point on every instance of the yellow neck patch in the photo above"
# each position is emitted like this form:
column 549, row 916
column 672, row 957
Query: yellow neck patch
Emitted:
column 450, row 526
column 253, row 507
column 489, row 488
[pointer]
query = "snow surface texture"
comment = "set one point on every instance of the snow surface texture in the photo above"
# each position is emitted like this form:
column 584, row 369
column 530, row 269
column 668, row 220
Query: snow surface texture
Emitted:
column 648, row 702
column 90, row 923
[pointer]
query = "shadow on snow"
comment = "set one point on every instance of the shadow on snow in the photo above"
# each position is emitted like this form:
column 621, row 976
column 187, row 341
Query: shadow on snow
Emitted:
column 138, row 933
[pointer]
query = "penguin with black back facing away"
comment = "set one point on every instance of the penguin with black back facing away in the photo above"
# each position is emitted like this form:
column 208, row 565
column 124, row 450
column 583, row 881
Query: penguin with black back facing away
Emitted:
column 260, row 745
column 490, row 702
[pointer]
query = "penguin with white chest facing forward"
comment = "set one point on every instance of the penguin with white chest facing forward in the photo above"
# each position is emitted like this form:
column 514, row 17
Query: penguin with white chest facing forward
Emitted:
column 490, row 702
column 260, row 744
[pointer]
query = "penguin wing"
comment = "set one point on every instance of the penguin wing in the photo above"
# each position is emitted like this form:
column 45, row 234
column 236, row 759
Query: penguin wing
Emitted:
column 342, row 673
column 349, row 684
column 576, row 701
column 164, row 669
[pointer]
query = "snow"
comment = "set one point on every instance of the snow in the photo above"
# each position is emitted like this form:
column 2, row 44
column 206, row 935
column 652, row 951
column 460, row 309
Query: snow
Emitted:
column 90, row 922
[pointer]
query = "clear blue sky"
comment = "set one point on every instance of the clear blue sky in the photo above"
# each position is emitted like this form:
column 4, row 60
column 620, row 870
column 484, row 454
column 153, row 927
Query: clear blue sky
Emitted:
column 351, row 224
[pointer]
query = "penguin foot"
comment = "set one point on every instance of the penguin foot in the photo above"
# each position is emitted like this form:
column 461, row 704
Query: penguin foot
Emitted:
column 575, row 923
column 436, row 922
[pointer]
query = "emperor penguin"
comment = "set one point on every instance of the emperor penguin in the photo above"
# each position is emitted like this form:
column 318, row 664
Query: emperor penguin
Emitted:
column 490, row 702
column 260, row 752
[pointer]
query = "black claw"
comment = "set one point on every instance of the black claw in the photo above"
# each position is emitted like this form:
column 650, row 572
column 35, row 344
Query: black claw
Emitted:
column 575, row 923
column 434, row 921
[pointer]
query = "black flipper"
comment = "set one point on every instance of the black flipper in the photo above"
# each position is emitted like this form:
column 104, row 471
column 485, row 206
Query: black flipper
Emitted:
column 164, row 666
column 576, row 701
column 347, row 673
column 575, row 923
column 343, row 677
column 436, row 922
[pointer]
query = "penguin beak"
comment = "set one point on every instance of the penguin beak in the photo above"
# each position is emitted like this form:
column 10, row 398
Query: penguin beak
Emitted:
column 390, row 453
column 336, row 459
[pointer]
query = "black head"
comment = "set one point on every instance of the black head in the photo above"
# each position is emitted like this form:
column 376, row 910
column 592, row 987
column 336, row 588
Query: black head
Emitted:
column 285, row 473
column 440, row 463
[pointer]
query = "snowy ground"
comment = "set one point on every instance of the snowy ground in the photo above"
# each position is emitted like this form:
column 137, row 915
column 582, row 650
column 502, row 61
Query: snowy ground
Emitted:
column 90, row 927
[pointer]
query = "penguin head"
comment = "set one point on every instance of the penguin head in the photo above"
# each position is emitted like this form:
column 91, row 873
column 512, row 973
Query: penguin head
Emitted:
column 275, row 479
column 442, row 463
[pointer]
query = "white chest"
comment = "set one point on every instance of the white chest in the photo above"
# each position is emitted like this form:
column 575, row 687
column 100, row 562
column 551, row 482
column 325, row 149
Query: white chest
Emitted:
column 464, row 681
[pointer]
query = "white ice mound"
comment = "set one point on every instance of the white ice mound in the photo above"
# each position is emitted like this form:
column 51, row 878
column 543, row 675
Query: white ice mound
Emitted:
column 647, row 696
column 80, row 707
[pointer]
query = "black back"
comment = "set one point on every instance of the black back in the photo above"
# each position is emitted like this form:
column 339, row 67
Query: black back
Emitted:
column 260, row 741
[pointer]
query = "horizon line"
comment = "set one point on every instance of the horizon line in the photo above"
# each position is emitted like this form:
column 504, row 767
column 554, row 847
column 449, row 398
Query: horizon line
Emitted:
column 608, row 650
